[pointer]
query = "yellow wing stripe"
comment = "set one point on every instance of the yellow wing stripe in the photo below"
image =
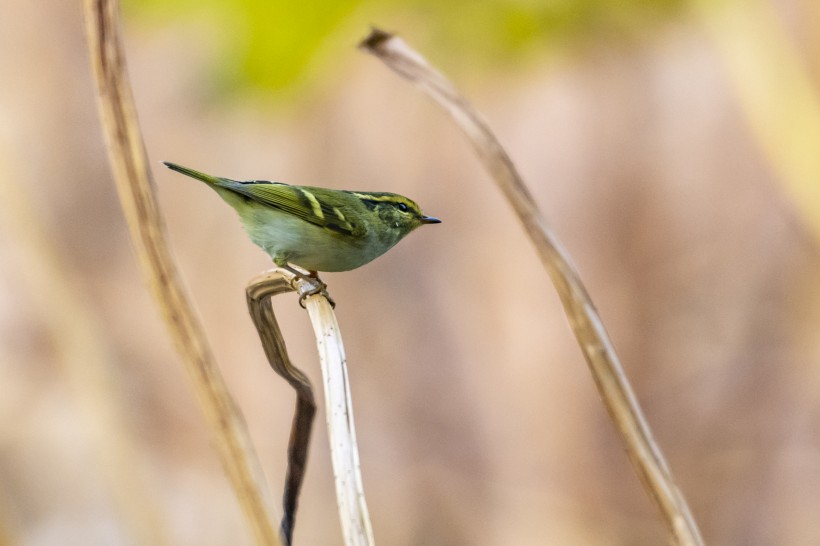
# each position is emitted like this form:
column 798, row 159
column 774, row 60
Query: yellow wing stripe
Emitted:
column 296, row 200
column 314, row 203
column 339, row 215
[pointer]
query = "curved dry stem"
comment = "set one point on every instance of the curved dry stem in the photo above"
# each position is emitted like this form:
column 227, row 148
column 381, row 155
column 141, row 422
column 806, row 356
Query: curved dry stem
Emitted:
column 258, row 294
column 356, row 527
column 589, row 330
column 135, row 187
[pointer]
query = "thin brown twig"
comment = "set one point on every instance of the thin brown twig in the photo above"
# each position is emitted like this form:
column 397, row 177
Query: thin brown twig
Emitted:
column 135, row 187
column 589, row 330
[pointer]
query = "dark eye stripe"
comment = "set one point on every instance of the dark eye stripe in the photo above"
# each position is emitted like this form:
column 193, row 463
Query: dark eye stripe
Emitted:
column 369, row 203
column 374, row 200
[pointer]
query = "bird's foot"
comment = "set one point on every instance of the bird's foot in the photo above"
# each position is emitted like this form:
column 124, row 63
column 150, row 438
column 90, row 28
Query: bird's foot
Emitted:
column 311, row 285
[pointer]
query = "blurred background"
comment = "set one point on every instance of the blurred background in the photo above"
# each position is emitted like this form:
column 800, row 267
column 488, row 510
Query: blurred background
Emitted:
column 673, row 145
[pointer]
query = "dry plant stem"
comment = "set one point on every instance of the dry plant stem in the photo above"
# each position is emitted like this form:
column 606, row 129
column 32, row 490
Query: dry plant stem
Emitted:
column 258, row 294
column 136, row 191
column 350, row 497
column 344, row 452
column 584, row 319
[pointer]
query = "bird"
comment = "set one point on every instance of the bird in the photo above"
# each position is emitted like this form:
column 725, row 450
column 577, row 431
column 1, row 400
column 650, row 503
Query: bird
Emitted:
column 316, row 229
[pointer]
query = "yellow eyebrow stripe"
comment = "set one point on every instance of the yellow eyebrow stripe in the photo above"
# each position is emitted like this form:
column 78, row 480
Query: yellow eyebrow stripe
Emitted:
column 379, row 198
column 314, row 203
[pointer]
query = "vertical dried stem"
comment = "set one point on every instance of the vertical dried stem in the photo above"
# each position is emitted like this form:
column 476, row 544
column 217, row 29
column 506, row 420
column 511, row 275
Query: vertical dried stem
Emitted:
column 356, row 527
column 135, row 187
column 589, row 330
column 344, row 452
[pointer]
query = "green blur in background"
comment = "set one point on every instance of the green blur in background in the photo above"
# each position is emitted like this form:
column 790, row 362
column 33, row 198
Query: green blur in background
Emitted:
column 270, row 45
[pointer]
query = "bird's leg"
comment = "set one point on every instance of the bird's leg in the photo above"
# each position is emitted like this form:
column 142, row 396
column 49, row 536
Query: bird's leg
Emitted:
column 311, row 277
column 317, row 286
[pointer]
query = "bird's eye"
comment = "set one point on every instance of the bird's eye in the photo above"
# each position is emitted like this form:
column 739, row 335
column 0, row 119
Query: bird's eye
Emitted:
column 402, row 207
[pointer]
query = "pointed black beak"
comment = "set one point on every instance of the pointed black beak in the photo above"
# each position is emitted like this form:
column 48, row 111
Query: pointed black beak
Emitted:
column 430, row 220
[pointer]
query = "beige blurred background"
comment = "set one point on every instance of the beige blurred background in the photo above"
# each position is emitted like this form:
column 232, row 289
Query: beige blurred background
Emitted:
column 672, row 147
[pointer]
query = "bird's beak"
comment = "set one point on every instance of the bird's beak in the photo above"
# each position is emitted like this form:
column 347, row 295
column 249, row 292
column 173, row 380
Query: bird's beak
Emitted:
column 430, row 220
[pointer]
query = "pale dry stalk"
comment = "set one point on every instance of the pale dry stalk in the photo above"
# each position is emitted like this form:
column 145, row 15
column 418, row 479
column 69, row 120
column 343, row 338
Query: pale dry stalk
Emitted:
column 355, row 520
column 136, row 191
column 589, row 330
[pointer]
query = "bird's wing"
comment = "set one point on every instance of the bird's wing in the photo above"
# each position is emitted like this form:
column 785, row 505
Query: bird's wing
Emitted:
column 298, row 201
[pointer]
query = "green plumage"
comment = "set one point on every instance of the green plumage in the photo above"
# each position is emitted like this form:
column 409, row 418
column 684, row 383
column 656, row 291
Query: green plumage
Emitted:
column 318, row 229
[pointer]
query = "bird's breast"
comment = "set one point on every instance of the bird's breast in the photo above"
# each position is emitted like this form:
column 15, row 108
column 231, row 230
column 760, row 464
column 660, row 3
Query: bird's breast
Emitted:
column 284, row 236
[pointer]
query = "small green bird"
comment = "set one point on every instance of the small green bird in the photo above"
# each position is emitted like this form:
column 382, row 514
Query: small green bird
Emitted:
column 317, row 229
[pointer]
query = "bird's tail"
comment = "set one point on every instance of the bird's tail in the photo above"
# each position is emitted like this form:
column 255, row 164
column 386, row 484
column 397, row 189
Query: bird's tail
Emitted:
column 208, row 179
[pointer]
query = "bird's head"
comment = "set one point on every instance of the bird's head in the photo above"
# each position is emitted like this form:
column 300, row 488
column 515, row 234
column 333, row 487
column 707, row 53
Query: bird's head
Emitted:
column 395, row 213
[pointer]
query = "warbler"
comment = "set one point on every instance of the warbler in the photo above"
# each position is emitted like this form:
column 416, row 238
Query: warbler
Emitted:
column 317, row 229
